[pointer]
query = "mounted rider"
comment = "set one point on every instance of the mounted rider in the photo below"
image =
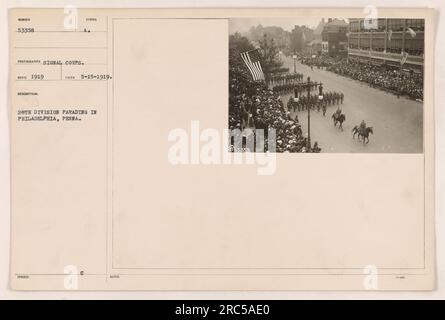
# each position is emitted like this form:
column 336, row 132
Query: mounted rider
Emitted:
column 362, row 126
column 338, row 112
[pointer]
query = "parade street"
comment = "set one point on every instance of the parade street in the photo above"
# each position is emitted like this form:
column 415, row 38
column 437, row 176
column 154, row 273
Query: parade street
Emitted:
column 397, row 122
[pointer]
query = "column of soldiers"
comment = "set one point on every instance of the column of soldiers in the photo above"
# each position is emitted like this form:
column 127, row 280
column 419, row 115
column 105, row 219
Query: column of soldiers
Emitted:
column 290, row 87
column 281, row 79
column 285, row 84
column 333, row 97
column 303, row 102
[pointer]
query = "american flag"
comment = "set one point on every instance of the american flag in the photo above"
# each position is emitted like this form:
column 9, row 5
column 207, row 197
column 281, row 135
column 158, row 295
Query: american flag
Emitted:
column 404, row 57
column 411, row 32
column 252, row 60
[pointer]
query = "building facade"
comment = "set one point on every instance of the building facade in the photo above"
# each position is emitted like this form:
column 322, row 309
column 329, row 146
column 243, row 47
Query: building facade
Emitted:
column 334, row 33
column 319, row 29
column 394, row 42
column 314, row 47
column 299, row 37
column 324, row 47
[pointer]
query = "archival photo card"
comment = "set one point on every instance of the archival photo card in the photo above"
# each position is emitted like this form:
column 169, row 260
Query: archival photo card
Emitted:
column 327, row 84
column 222, row 149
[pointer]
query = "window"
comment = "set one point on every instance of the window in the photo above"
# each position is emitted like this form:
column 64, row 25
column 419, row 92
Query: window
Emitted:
column 415, row 24
column 395, row 24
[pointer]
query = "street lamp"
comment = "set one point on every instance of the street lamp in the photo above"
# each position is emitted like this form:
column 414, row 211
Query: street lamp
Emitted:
column 308, row 85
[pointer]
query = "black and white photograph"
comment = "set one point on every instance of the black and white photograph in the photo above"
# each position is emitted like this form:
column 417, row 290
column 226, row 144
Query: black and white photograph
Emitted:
column 223, row 153
column 328, row 84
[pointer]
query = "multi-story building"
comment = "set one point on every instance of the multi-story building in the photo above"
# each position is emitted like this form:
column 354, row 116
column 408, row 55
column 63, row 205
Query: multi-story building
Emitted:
column 334, row 33
column 394, row 42
column 319, row 29
column 299, row 36
column 317, row 45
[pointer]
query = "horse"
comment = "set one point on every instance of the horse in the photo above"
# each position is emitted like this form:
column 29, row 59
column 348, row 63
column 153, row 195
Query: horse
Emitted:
column 362, row 132
column 338, row 118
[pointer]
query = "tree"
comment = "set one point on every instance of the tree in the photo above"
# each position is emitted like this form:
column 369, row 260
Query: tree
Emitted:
column 239, row 43
column 269, row 53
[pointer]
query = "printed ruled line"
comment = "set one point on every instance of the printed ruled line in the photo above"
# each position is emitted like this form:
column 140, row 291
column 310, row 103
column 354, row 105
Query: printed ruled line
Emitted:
column 69, row 31
column 60, row 47
column 218, row 274
column 60, row 64
column 58, row 80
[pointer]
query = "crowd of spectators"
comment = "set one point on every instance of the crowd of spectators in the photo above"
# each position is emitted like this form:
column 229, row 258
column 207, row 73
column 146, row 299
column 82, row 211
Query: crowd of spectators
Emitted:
column 253, row 105
column 395, row 80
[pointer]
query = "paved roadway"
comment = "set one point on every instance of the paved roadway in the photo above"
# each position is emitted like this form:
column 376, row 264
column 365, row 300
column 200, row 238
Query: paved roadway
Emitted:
column 397, row 122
